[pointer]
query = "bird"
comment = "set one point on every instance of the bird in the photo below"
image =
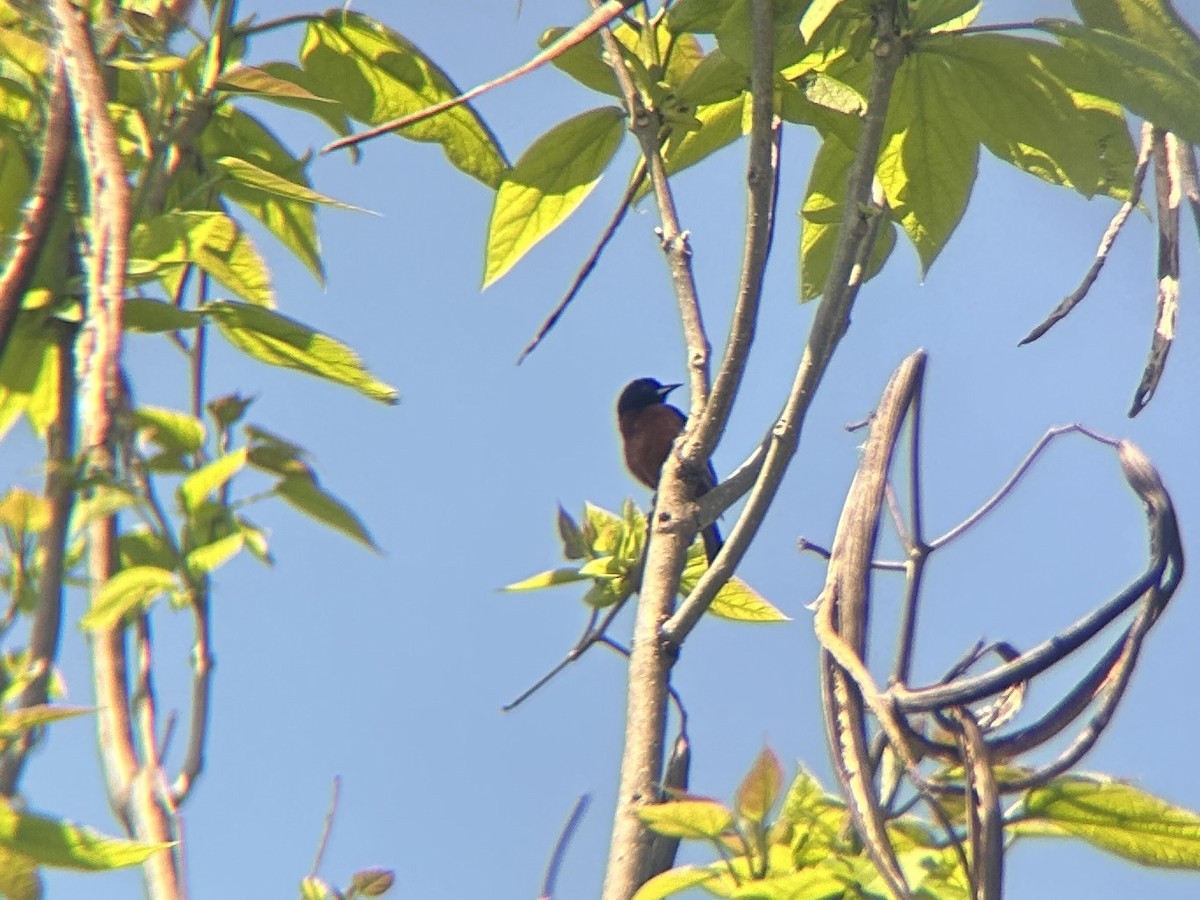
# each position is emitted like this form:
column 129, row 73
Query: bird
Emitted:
column 649, row 426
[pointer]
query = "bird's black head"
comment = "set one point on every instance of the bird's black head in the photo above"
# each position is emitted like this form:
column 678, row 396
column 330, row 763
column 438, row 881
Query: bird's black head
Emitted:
column 642, row 393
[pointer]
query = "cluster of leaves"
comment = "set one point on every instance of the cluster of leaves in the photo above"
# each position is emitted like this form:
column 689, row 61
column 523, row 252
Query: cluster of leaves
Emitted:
column 610, row 548
column 808, row 852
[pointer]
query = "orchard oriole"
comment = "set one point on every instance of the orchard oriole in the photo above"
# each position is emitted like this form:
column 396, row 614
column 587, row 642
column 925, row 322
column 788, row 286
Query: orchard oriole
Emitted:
column 649, row 426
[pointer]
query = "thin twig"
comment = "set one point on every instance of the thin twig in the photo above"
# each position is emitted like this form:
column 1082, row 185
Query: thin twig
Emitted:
column 635, row 183
column 1110, row 235
column 560, row 846
column 326, row 827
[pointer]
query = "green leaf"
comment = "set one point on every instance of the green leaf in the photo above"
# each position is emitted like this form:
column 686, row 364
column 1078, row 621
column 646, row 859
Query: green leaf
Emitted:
column 330, row 113
column 210, row 240
column 256, row 541
column 378, row 75
column 928, row 160
column 16, row 722
column 1025, row 100
column 211, row 557
column 64, row 845
column 128, row 590
column 277, row 340
column 1152, row 23
column 929, row 14
column 29, row 375
column 170, row 429
column 822, row 215
column 696, row 16
column 232, row 133
column 199, row 485
column 720, row 126
column 548, row 183
column 1146, row 80
column 142, row 547
column 583, row 62
column 303, row 493
column 759, row 790
column 19, row 877
column 735, row 39
column 574, row 543
column 24, row 511
column 1120, row 819
column 735, row 601
column 675, row 881
column 148, row 316
column 698, row 819
column 549, row 578
column 314, row 888
column 251, row 80
column 251, row 176
column 15, row 177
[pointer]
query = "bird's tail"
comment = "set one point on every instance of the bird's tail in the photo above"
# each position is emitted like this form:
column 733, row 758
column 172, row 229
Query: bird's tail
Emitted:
column 712, row 542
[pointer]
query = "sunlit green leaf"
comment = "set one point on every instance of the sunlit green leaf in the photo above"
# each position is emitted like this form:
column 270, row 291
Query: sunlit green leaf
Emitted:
column 277, row 340
column 822, row 216
column 378, row 75
column 1152, row 23
column 675, row 881
column 252, row 80
column 583, row 62
column 29, row 375
column 705, row 819
column 170, row 429
column 233, row 133
column 154, row 316
column 210, row 557
column 142, row 547
column 17, row 721
column 928, row 160
column 1146, row 80
column 928, row 14
column 1024, row 100
column 210, row 240
column 1120, row 819
column 128, row 590
column 251, row 176
column 549, row 578
column 24, row 511
column 199, row 485
column 548, row 183
column 303, row 493
column 329, row 113
column 64, row 845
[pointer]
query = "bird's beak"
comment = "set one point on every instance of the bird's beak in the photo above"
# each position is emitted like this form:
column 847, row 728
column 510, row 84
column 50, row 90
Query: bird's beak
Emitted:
column 666, row 389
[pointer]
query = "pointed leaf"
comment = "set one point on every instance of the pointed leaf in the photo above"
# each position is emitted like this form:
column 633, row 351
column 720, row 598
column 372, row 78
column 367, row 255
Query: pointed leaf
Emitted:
column 549, row 578
column 17, row 721
column 675, row 881
column 698, row 819
column 199, row 485
column 170, row 429
column 233, row 133
column 277, row 340
column 759, row 790
column 251, row 176
column 142, row 314
column 303, row 493
column 64, row 845
column 378, row 75
column 1146, row 80
column 583, row 62
column 928, row 160
column 210, row 557
column 822, row 214
column 250, row 80
column 573, row 541
column 1121, row 819
column 128, row 590
column 548, row 183
column 24, row 511
column 1026, row 101
column 210, row 240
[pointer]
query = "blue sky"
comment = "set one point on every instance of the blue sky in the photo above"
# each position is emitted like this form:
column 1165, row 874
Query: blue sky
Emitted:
column 389, row 670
